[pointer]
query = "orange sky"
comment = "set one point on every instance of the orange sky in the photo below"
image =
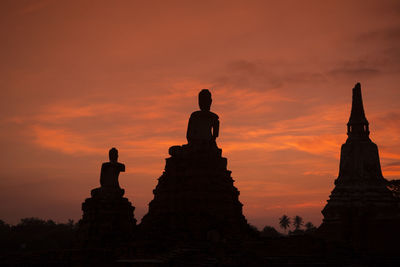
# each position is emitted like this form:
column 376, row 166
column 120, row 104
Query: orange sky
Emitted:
column 79, row 77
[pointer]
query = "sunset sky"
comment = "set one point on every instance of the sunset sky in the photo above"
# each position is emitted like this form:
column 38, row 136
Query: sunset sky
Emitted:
column 80, row 77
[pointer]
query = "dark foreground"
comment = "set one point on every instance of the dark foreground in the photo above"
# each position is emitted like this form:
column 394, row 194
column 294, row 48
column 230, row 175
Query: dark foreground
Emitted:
column 300, row 250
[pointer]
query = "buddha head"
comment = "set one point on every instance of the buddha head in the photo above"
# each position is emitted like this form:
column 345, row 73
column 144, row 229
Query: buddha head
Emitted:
column 113, row 154
column 205, row 100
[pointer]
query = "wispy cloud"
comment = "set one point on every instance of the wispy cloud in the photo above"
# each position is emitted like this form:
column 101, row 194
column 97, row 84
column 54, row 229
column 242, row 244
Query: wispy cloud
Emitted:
column 63, row 141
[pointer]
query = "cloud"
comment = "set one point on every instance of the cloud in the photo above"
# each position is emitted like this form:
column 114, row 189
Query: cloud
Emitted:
column 388, row 34
column 358, row 69
column 246, row 66
column 318, row 144
column 394, row 164
column 63, row 111
column 263, row 75
column 320, row 173
column 64, row 141
column 313, row 132
column 322, row 144
column 384, row 44
column 318, row 204
column 34, row 6
column 74, row 125
column 389, row 120
column 354, row 72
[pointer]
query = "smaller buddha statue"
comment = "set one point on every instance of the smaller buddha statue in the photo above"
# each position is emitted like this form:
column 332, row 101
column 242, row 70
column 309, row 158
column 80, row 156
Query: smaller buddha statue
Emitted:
column 109, row 177
column 203, row 126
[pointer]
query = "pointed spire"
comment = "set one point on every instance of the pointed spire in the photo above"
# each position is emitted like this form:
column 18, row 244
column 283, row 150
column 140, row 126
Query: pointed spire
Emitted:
column 358, row 126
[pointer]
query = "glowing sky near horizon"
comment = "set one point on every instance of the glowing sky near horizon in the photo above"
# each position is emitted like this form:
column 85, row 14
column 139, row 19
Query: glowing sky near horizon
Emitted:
column 80, row 77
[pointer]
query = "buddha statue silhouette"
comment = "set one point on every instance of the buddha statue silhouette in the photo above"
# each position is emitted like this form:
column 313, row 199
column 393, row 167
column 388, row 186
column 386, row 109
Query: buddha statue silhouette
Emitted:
column 109, row 177
column 195, row 198
column 203, row 126
column 202, row 130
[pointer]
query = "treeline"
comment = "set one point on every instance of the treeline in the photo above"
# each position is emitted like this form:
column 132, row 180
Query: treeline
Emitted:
column 36, row 234
column 286, row 223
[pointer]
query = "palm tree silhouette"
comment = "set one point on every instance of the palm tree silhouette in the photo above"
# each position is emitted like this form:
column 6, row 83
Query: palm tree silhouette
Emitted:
column 284, row 222
column 297, row 222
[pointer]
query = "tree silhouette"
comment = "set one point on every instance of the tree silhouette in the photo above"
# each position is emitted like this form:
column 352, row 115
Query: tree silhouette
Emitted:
column 310, row 227
column 284, row 222
column 34, row 234
column 297, row 222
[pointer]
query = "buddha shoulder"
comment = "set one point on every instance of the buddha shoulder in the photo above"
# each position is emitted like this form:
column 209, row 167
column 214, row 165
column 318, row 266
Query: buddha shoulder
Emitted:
column 204, row 114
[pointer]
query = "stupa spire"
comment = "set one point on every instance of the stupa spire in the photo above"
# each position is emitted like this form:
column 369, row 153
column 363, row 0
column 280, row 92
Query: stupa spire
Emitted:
column 358, row 126
column 363, row 206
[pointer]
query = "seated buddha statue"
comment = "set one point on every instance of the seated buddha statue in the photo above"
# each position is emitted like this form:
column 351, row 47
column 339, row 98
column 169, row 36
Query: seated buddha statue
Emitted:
column 203, row 126
column 109, row 177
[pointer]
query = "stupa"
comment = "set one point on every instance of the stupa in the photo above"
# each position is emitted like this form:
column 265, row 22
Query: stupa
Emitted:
column 363, row 208
column 107, row 216
column 195, row 198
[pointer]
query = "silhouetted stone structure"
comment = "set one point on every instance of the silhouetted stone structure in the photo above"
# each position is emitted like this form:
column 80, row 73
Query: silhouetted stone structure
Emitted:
column 363, row 208
column 107, row 216
column 195, row 198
